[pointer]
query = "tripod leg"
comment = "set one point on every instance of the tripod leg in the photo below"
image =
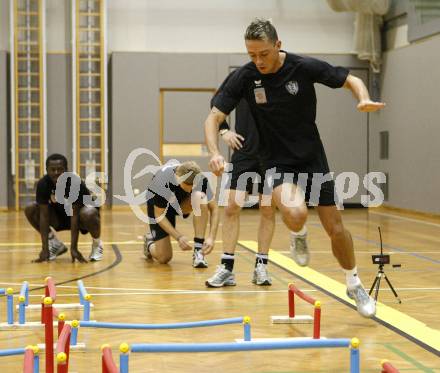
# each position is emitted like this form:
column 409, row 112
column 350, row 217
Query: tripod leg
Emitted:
column 392, row 289
column 374, row 283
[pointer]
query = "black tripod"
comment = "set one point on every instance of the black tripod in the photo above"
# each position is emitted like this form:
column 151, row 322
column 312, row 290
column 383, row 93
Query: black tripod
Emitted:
column 382, row 260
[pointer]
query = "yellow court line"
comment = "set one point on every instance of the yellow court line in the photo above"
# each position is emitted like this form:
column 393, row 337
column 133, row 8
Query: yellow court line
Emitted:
column 404, row 323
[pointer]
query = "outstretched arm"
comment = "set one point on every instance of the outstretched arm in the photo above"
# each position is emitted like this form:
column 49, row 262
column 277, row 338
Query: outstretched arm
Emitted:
column 360, row 91
column 44, row 232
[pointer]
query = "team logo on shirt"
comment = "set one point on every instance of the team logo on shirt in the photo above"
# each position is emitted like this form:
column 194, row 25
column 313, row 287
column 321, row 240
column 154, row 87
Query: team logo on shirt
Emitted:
column 292, row 87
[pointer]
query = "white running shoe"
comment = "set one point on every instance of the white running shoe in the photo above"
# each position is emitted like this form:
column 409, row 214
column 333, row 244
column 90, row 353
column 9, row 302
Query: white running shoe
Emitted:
column 148, row 241
column 366, row 305
column 261, row 275
column 56, row 248
column 97, row 252
column 299, row 249
column 199, row 260
column 221, row 277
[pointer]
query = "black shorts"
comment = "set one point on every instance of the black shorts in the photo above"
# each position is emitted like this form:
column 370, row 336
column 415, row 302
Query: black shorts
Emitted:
column 63, row 220
column 247, row 174
column 317, row 191
column 155, row 229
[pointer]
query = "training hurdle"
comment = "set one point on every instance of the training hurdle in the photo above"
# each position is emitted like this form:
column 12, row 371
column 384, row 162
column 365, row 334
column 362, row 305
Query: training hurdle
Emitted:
column 31, row 358
column 183, row 325
column 387, row 367
column 241, row 346
column 50, row 290
column 292, row 318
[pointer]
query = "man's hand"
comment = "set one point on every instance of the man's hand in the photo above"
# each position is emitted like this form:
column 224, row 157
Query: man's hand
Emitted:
column 369, row 106
column 208, row 246
column 217, row 164
column 184, row 243
column 42, row 257
column 233, row 139
column 76, row 255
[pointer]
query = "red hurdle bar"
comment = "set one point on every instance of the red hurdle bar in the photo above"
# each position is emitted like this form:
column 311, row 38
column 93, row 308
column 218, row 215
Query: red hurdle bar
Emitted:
column 63, row 348
column 28, row 366
column 48, row 333
column 387, row 367
column 108, row 365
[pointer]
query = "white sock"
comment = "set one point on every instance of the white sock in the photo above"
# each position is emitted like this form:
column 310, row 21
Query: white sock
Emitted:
column 96, row 242
column 351, row 277
column 302, row 232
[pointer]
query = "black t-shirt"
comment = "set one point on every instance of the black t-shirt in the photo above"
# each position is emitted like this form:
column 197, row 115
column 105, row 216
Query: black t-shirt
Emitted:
column 283, row 105
column 244, row 125
column 164, row 190
column 45, row 194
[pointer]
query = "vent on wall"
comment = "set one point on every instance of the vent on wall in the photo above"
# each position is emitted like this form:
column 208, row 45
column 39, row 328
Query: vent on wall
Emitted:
column 384, row 144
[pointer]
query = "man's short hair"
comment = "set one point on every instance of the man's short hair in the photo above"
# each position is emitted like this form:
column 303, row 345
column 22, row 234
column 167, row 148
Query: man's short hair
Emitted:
column 56, row 157
column 190, row 170
column 261, row 29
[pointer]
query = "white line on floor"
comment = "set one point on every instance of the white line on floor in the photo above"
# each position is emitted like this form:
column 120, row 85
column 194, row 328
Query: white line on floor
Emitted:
column 405, row 218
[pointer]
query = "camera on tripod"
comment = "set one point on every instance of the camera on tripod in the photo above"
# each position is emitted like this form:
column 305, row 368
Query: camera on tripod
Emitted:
column 381, row 259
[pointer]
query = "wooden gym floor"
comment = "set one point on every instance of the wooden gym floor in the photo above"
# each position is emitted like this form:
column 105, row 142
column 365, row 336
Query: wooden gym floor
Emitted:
column 127, row 288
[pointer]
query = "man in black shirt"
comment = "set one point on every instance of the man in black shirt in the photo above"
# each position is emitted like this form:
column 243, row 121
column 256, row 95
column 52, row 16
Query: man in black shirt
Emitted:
column 47, row 213
column 246, row 175
column 279, row 89
column 179, row 189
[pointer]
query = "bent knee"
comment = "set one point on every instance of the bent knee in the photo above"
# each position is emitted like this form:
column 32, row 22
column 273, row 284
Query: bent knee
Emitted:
column 88, row 213
column 164, row 259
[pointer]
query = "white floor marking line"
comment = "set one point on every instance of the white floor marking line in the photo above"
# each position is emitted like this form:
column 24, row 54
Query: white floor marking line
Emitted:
column 405, row 218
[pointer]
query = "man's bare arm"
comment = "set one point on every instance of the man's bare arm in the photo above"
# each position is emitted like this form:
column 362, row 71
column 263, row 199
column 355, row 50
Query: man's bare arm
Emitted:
column 212, row 123
column 360, row 91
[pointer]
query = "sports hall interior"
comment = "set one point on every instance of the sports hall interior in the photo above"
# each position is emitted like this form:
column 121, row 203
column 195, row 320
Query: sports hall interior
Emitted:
column 147, row 71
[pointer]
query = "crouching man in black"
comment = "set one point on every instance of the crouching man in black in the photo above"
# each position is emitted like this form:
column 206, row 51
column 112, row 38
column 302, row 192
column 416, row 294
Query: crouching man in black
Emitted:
column 47, row 215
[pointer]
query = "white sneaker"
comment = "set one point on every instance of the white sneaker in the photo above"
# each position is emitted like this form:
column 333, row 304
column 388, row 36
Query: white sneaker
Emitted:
column 299, row 249
column 97, row 252
column 366, row 305
column 261, row 275
column 148, row 241
column 199, row 260
column 221, row 277
column 56, row 248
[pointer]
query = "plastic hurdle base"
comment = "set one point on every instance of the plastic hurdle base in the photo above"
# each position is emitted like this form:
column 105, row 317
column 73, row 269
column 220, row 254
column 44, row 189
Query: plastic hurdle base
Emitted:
column 298, row 319
column 27, row 325
column 279, row 339
column 79, row 347
column 58, row 306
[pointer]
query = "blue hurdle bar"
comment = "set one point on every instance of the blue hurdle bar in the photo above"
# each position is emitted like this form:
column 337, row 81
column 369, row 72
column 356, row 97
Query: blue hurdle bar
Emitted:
column 84, row 299
column 12, row 352
column 239, row 346
column 10, row 305
column 183, row 325
column 23, row 302
column 247, row 346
